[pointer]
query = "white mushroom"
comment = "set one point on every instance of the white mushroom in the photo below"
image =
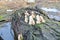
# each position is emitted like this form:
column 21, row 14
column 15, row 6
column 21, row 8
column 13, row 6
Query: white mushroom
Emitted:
column 26, row 13
column 20, row 37
column 33, row 14
column 26, row 17
column 31, row 21
column 42, row 19
column 38, row 19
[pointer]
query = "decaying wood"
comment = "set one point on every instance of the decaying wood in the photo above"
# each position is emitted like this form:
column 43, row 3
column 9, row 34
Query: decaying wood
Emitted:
column 15, row 25
column 18, row 24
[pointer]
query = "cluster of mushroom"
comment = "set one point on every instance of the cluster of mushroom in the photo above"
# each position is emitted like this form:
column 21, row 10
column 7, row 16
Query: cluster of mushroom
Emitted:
column 33, row 19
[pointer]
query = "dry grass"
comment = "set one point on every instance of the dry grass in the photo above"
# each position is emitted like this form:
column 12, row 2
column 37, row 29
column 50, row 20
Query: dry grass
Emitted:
column 16, row 4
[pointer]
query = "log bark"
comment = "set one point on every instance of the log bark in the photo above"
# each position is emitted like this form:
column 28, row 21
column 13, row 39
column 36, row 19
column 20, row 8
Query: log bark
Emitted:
column 15, row 25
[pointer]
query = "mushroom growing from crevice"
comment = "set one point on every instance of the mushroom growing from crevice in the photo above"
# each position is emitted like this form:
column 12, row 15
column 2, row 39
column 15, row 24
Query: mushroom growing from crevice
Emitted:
column 26, row 17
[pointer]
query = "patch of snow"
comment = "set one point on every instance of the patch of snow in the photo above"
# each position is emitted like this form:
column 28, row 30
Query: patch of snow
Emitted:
column 57, row 18
column 9, row 10
column 50, row 9
column 51, row 16
column 30, row 1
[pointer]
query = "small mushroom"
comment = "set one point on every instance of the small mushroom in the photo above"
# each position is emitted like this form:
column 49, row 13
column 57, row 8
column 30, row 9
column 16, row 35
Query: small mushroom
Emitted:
column 20, row 37
column 33, row 14
column 42, row 19
column 38, row 19
column 26, row 17
column 31, row 20
column 26, row 13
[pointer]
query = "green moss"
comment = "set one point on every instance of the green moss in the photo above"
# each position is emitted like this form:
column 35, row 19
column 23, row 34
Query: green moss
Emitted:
column 1, row 17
